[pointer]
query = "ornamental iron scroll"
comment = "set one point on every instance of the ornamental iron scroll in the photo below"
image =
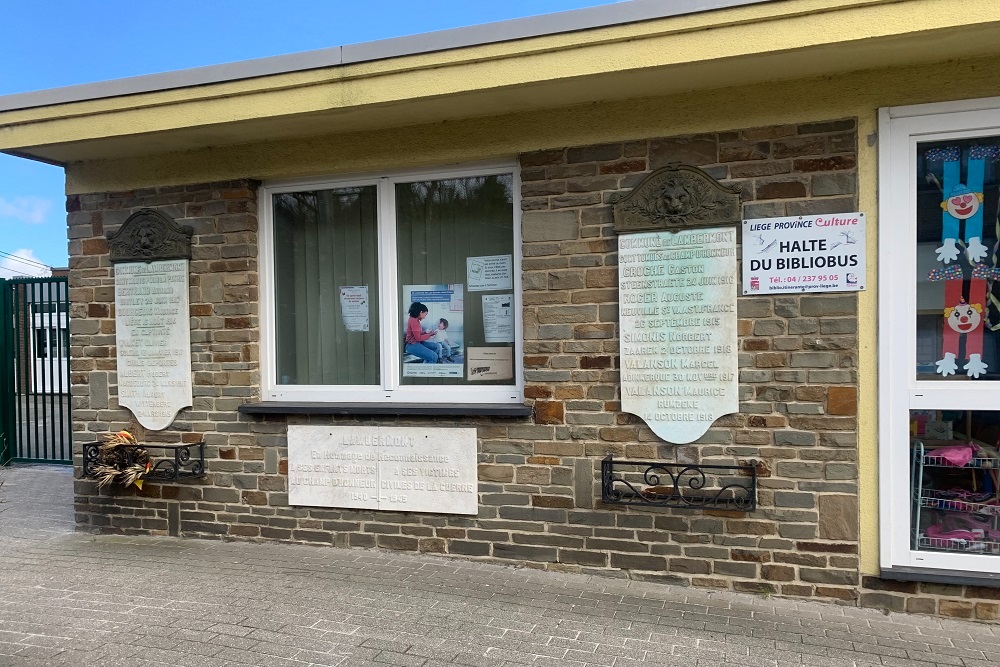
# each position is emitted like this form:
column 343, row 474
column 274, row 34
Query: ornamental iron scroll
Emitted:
column 676, row 197
column 148, row 236
column 679, row 485
column 176, row 462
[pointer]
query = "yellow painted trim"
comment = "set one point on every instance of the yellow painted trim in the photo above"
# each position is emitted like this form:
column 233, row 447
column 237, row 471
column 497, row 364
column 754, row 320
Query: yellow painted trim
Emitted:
column 868, row 459
column 710, row 38
column 856, row 94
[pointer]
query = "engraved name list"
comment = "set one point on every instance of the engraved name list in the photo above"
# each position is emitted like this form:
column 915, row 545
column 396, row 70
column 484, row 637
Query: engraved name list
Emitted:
column 153, row 340
column 677, row 312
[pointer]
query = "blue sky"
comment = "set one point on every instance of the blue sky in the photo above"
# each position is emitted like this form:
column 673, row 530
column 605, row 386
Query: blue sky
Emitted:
column 66, row 42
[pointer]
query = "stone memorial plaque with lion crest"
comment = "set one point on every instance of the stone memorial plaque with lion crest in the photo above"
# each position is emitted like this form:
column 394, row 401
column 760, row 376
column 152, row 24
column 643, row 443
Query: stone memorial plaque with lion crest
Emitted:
column 152, row 320
column 677, row 302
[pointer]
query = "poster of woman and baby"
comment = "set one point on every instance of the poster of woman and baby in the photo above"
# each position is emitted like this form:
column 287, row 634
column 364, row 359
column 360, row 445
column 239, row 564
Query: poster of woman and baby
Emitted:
column 432, row 338
column 434, row 330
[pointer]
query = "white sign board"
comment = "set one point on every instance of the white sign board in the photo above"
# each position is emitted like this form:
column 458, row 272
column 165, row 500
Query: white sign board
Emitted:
column 498, row 318
column 490, row 363
column 153, row 338
column 677, row 313
column 354, row 307
column 819, row 253
column 401, row 469
column 490, row 272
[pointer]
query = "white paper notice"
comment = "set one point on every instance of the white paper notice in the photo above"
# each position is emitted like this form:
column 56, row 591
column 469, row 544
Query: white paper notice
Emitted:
column 491, row 363
column 354, row 307
column 498, row 318
column 491, row 272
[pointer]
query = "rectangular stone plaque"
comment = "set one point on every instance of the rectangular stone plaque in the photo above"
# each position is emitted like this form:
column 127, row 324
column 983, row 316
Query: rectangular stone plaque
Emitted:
column 677, row 312
column 383, row 468
column 153, row 337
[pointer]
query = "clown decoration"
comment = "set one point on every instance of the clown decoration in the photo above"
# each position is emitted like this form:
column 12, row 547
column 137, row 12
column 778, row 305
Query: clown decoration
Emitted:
column 963, row 318
column 962, row 205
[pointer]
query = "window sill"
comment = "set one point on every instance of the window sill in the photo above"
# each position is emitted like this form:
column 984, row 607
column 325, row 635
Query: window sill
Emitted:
column 936, row 576
column 409, row 409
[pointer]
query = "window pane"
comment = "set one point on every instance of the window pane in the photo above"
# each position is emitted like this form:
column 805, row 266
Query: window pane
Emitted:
column 325, row 241
column 958, row 313
column 954, row 474
column 455, row 245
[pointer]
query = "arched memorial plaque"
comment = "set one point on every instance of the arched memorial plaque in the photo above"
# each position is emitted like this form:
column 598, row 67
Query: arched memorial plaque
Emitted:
column 152, row 317
column 677, row 302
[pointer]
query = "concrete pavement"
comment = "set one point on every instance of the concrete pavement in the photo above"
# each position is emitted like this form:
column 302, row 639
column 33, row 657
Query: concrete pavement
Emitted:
column 76, row 599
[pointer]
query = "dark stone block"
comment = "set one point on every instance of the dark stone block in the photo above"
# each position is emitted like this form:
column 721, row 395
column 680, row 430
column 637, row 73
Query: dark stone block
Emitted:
column 632, row 546
column 700, row 150
column 598, row 153
column 533, row 514
column 841, row 577
column 633, row 562
column 312, row 536
column 548, row 540
column 883, row 601
column 526, row 553
column 361, row 540
column 202, row 527
column 398, row 542
column 276, row 533
column 592, row 518
column 468, row 548
column 877, row 584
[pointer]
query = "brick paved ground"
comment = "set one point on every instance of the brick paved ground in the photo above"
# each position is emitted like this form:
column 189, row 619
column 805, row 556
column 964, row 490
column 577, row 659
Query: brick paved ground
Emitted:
column 75, row 599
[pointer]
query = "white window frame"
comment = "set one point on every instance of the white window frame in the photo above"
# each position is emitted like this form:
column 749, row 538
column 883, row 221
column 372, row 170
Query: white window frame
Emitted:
column 900, row 129
column 390, row 314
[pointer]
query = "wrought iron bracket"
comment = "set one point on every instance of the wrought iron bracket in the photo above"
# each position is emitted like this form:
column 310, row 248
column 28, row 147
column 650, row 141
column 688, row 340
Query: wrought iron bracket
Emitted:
column 679, row 485
column 172, row 463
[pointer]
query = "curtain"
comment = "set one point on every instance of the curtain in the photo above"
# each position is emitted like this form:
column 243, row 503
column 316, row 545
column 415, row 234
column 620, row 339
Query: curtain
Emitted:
column 325, row 240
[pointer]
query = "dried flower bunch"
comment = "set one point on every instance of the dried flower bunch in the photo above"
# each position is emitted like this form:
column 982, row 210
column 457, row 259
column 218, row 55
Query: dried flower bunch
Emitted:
column 122, row 460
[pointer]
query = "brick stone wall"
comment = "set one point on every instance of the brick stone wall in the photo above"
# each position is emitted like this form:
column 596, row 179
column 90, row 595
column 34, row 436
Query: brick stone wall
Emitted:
column 798, row 363
column 224, row 349
column 538, row 477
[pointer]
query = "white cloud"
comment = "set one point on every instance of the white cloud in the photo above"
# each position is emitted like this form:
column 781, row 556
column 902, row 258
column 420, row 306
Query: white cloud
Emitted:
column 26, row 209
column 22, row 263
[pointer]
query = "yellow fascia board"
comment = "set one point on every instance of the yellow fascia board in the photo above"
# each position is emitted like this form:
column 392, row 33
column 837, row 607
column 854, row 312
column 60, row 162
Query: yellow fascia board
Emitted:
column 711, row 37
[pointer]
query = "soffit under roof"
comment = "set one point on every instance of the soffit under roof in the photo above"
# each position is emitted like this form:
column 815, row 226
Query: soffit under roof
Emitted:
column 365, row 100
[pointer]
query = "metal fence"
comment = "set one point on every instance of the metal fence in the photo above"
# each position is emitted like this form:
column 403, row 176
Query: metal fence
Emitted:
column 35, row 422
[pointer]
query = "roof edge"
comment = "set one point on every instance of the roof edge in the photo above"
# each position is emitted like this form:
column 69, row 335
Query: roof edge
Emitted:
column 619, row 13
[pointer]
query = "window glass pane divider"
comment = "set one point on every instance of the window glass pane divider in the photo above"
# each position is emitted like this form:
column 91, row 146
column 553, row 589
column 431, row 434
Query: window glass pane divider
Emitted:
column 518, row 388
column 268, row 324
column 390, row 317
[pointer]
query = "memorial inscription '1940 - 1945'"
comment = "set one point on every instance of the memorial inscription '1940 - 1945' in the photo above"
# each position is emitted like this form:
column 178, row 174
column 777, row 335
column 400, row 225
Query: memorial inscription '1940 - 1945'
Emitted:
column 383, row 468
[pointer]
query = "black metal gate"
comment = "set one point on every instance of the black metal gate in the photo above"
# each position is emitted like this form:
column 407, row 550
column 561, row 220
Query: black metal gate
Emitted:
column 35, row 420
